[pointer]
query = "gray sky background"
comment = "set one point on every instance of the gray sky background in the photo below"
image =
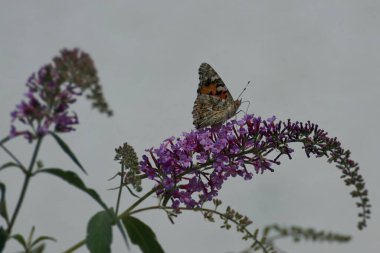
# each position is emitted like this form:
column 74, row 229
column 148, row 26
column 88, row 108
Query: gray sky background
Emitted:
column 309, row 60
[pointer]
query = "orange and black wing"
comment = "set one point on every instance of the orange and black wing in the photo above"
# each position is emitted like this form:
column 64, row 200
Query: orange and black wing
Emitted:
column 211, row 84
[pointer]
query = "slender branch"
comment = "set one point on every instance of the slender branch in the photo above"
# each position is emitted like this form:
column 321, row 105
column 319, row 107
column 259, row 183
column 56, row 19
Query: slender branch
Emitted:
column 21, row 166
column 4, row 140
column 28, row 175
column 128, row 211
column 75, row 247
column 120, row 190
column 204, row 210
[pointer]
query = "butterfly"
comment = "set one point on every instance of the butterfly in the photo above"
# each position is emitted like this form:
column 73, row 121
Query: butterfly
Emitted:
column 214, row 104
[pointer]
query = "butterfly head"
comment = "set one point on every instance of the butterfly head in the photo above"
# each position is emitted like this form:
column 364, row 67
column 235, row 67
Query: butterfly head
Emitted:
column 237, row 104
column 232, row 109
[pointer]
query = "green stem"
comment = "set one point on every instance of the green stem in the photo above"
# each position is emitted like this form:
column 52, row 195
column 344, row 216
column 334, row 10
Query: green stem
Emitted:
column 28, row 175
column 75, row 247
column 4, row 140
column 120, row 190
column 128, row 211
column 20, row 165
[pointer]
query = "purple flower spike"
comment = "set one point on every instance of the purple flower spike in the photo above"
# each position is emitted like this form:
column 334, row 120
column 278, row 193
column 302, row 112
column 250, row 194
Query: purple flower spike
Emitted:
column 190, row 170
column 200, row 161
column 47, row 104
column 52, row 90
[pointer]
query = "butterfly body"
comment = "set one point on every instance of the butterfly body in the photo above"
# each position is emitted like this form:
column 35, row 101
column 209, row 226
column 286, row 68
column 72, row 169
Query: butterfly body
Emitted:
column 214, row 104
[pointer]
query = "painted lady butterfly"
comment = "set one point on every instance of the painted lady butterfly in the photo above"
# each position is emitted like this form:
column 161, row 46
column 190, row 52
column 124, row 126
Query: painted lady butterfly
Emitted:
column 214, row 103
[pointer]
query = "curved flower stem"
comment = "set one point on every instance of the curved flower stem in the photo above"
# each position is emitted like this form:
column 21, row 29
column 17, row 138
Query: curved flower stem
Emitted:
column 28, row 175
column 124, row 214
column 128, row 211
column 204, row 210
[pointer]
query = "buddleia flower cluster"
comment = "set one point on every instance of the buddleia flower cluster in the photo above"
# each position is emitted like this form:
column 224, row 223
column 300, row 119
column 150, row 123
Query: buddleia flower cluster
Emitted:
column 190, row 170
column 51, row 92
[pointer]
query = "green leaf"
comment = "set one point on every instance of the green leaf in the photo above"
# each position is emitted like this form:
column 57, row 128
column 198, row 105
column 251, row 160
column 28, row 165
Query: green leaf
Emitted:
column 43, row 238
column 67, row 150
column 21, row 240
column 142, row 235
column 3, row 204
column 38, row 249
column 31, row 246
column 131, row 192
column 99, row 233
column 73, row 179
column 30, row 237
column 9, row 164
column 255, row 233
column 3, row 238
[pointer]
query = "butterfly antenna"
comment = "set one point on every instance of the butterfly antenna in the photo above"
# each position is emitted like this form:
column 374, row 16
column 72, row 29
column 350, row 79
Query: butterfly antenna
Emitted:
column 244, row 89
column 249, row 103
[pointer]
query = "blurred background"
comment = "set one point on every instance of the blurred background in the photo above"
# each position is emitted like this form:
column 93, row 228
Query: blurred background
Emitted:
column 309, row 60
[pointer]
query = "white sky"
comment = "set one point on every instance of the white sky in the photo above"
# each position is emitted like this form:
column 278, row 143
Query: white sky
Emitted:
column 309, row 60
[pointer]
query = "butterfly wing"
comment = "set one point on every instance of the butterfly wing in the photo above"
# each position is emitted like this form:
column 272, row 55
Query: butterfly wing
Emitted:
column 209, row 110
column 214, row 103
column 211, row 84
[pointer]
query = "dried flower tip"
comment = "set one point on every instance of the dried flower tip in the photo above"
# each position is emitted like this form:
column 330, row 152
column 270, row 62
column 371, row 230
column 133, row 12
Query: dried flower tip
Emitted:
column 127, row 157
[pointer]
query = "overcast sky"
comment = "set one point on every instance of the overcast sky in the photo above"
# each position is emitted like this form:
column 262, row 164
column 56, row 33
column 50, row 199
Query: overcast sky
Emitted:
column 309, row 60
